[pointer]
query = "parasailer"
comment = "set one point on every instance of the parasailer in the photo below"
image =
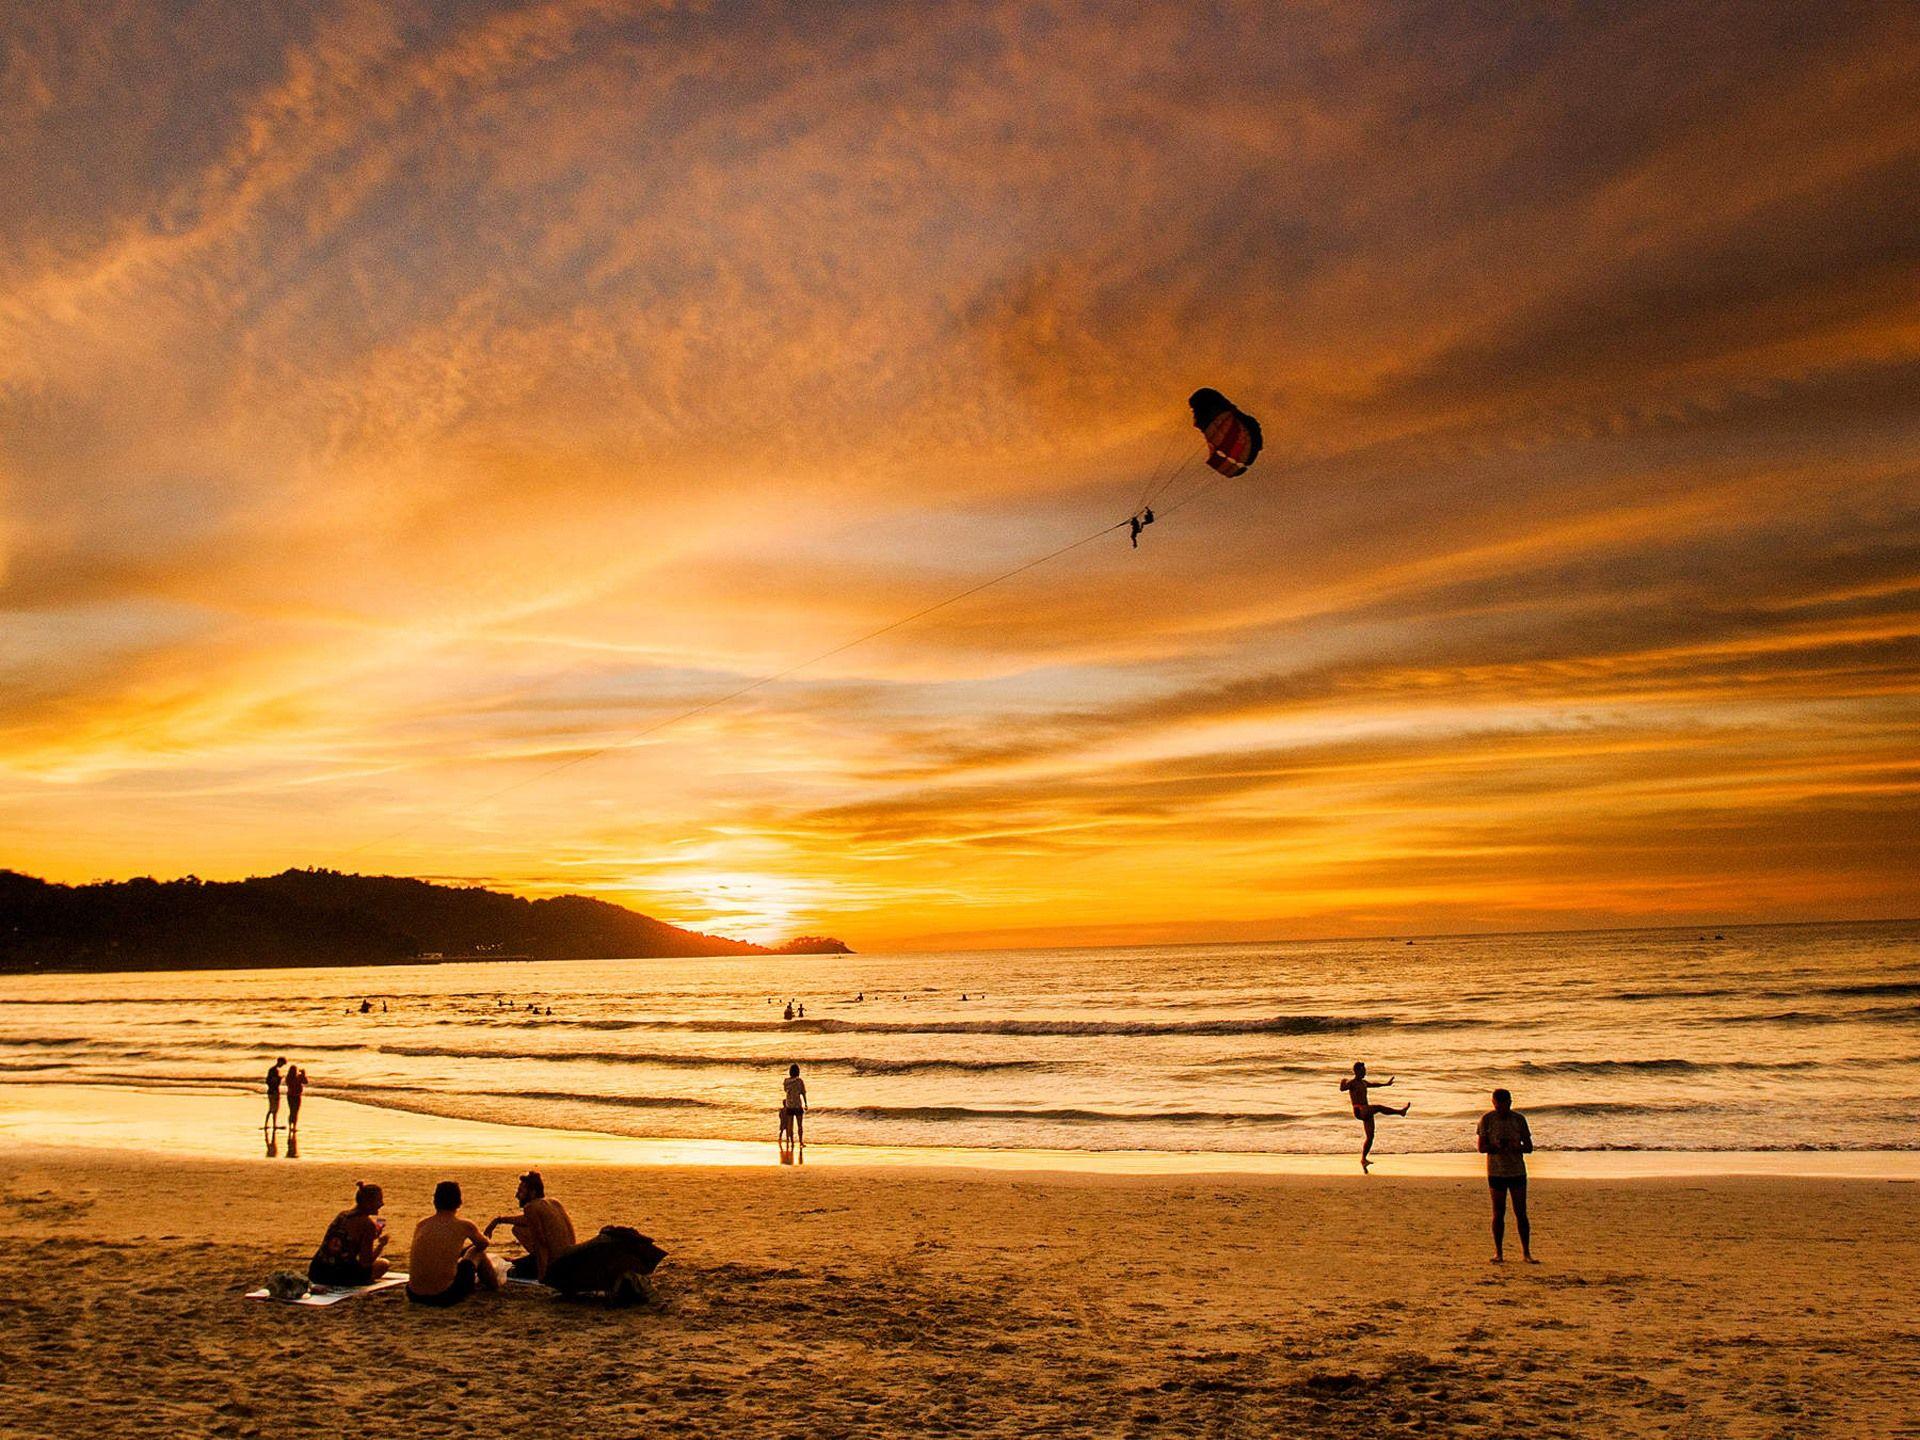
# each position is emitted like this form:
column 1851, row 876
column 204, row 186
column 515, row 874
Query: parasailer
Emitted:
column 1233, row 436
column 1140, row 522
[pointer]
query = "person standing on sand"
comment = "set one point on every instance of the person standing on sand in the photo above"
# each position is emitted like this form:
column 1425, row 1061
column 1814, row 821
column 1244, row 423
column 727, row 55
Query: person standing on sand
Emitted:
column 543, row 1228
column 1356, row 1085
column 449, row 1257
column 273, row 1093
column 1503, row 1137
column 296, row 1087
column 793, row 1109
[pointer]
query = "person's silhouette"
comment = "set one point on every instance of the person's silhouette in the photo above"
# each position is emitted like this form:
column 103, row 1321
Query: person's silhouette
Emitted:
column 1356, row 1085
column 1503, row 1137
column 793, row 1109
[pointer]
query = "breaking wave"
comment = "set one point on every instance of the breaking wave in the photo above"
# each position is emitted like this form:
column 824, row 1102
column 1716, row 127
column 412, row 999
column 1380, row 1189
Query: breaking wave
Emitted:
column 1276, row 1025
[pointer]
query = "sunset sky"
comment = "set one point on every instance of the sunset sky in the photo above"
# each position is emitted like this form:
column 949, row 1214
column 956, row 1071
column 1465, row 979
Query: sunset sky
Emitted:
column 399, row 400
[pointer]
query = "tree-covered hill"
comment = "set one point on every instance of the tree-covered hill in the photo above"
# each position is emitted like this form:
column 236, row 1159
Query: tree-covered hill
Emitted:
column 322, row 917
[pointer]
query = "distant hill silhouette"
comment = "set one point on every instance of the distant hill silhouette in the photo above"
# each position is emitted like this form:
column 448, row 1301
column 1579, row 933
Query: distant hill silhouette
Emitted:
column 324, row 917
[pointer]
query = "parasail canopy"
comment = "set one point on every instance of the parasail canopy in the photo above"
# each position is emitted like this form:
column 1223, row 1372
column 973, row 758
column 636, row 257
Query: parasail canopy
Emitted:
column 1233, row 436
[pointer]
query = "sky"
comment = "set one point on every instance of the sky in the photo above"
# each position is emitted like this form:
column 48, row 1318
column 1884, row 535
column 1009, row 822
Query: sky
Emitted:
column 403, row 407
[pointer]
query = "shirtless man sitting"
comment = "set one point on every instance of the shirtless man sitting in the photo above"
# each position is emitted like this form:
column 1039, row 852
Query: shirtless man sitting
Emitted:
column 543, row 1228
column 1356, row 1085
column 449, row 1255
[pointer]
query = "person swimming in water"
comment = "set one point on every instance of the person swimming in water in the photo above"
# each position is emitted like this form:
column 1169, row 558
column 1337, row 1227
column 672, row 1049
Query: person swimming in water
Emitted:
column 1357, row 1085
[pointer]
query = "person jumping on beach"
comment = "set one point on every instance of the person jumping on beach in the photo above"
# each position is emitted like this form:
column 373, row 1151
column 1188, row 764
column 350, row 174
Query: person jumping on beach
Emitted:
column 1356, row 1085
column 273, row 1093
column 296, row 1087
column 793, row 1109
column 543, row 1228
column 1503, row 1137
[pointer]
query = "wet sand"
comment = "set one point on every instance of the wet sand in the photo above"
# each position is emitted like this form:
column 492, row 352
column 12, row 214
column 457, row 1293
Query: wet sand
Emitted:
column 842, row 1300
column 223, row 1123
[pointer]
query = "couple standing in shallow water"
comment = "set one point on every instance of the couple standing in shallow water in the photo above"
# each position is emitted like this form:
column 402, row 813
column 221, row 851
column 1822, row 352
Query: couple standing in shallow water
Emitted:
column 296, row 1086
column 1502, row 1136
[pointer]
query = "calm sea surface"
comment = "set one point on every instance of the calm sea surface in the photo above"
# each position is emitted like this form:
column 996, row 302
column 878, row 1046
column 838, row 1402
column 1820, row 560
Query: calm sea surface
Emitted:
column 1771, row 1038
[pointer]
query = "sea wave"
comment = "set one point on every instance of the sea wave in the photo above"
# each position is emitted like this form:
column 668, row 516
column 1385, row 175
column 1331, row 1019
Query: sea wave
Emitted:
column 433, row 1098
column 1864, row 1015
column 936, row 1113
column 682, row 1060
column 1660, row 1066
column 1620, row 1107
column 1275, row 1025
column 46, row 1042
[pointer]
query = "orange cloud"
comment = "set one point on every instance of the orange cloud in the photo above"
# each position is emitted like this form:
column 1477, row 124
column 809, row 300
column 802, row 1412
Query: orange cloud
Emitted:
column 400, row 400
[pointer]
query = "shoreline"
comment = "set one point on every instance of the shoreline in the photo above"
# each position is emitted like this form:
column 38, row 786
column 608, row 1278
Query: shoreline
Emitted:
column 213, row 1124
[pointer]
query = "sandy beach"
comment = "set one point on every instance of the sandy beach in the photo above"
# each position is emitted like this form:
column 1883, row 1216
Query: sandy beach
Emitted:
column 847, row 1301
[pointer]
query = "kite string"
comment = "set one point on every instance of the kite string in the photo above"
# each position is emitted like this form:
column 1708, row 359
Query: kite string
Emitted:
column 718, row 700
column 1194, row 494
column 1156, row 476
column 1179, row 472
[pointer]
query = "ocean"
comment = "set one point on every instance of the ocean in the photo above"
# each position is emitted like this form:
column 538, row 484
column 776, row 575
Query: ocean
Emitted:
column 1754, row 1038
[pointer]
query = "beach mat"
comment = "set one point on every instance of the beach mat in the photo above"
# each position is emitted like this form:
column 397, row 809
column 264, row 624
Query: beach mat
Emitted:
column 334, row 1294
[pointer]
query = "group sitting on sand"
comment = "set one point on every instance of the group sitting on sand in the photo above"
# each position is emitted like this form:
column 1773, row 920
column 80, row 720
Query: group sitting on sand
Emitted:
column 450, row 1257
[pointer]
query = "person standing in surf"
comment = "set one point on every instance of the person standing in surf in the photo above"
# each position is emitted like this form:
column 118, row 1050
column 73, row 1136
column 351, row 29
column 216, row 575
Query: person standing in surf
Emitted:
column 273, row 1093
column 793, row 1109
column 1357, row 1085
column 296, row 1087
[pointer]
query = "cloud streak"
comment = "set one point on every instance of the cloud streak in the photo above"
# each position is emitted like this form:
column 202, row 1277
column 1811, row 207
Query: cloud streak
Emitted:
column 399, row 399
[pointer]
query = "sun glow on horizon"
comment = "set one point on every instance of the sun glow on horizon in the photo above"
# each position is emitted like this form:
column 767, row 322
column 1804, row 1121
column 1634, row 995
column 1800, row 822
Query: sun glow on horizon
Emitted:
column 399, row 401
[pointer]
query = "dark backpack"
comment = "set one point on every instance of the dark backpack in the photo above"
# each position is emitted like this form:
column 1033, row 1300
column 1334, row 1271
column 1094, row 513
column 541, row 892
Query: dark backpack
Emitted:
column 612, row 1263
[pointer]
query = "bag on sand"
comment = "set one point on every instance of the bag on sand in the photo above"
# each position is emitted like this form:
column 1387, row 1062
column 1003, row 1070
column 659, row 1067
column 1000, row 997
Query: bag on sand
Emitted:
column 285, row 1285
column 615, row 1263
